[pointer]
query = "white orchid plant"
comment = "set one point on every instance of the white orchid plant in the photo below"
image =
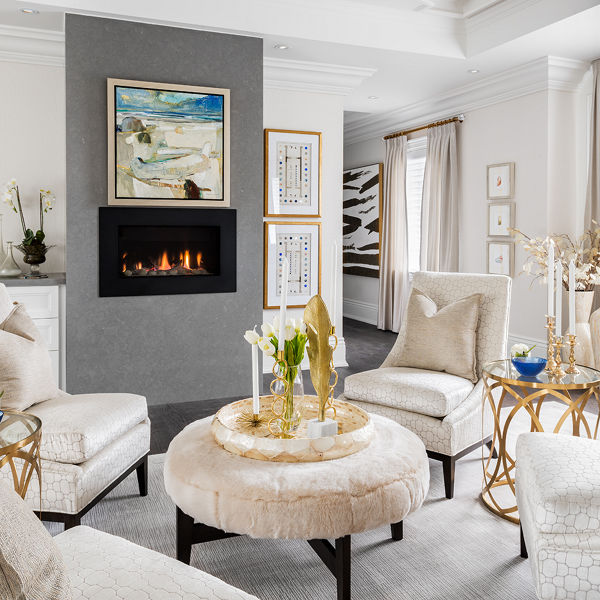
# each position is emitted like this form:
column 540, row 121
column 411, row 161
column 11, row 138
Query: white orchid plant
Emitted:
column 12, row 197
column 584, row 252
column 295, row 339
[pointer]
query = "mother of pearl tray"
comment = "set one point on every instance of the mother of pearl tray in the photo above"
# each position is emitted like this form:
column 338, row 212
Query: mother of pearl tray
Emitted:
column 355, row 431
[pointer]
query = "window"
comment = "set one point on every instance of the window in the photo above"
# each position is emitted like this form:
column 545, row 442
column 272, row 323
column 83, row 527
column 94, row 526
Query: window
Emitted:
column 415, row 171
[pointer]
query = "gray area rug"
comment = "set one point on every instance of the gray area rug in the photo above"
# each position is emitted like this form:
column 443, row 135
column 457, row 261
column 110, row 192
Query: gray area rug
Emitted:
column 452, row 549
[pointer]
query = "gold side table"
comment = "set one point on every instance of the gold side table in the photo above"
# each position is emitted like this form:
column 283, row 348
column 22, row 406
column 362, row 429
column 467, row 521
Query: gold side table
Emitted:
column 20, row 437
column 505, row 389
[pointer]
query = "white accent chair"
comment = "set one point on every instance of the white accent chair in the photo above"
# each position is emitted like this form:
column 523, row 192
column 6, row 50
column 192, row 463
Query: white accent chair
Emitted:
column 90, row 443
column 558, row 495
column 444, row 410
column 83, row 563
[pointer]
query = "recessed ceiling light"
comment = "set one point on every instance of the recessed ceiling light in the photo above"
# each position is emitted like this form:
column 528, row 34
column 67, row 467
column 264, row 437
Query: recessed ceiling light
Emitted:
column 281, row 46
column 473, row 71
column 29, row 11
column 373, row 97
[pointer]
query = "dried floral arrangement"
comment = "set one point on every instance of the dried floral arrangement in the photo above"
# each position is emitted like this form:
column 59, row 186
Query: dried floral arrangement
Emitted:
column 584, row 251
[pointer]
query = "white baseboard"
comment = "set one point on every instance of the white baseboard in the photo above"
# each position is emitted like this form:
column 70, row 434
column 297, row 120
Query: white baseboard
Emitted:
column 360, row 311
column 541, row 346
column 339, row 358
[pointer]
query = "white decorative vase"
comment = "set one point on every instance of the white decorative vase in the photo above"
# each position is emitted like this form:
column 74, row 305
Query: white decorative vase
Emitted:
column 584, row 350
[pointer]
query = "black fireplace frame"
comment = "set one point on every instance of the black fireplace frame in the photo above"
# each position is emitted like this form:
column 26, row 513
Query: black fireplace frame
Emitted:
column 112, row 284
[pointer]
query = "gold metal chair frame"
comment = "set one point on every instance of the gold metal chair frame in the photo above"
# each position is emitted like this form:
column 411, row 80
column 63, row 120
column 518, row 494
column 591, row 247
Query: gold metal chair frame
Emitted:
column 501, row 473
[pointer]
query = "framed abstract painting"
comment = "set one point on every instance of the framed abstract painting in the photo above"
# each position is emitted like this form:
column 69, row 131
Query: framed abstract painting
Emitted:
column 501, row 217
column 501, row 181
column 500, row 258
column 362, row 213
column 300, row 242
column 168, row 145
column 292, row 173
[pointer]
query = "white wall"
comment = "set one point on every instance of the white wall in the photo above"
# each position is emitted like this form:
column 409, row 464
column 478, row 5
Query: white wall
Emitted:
column 32, row 124
column 306, row 111
column 361, row 294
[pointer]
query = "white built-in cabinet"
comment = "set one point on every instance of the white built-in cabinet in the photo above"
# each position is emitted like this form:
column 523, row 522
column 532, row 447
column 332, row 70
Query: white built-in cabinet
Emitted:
column 45, row 305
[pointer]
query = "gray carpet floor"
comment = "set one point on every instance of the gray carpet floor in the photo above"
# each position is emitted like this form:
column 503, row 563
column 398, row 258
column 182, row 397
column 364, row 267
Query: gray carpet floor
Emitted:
column 452, row 549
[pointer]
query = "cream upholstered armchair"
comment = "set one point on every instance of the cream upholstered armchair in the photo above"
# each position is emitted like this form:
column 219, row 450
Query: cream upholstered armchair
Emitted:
column 90, row 442
column 444, row 410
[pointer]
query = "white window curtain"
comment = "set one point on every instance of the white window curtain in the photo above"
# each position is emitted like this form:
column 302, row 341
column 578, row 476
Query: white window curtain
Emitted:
column 393, row 268
column 592, row 201
column 439, row 212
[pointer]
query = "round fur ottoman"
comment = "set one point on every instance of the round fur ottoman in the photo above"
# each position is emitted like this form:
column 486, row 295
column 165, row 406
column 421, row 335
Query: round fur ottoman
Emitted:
column 220, row 495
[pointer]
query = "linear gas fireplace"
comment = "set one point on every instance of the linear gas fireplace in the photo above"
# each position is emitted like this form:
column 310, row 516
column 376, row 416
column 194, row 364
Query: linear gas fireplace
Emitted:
column 149, row 251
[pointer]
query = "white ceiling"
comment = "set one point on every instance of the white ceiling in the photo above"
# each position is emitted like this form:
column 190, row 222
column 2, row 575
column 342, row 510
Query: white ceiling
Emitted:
column 419, row 48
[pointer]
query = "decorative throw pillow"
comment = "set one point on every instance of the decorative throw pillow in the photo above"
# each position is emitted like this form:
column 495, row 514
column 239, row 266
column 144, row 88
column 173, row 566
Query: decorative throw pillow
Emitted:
column 25, row 367
column 441, row 340
column 31, row 565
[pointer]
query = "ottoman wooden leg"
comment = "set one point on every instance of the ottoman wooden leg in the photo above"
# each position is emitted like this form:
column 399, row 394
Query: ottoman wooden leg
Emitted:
column 185, row 536
column 338, row 560
column 397, row 531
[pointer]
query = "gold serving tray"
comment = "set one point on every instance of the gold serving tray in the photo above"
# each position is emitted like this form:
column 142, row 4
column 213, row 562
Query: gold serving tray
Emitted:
column 355, row 432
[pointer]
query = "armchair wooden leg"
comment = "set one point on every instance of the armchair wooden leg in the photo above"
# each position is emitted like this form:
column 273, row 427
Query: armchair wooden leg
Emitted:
column 142, row 476
column 448, row 466
column 489, row 445
column 523, row 546
column 72, row 521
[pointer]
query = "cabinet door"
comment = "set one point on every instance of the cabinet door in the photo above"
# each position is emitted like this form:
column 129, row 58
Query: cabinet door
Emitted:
column 41, row 302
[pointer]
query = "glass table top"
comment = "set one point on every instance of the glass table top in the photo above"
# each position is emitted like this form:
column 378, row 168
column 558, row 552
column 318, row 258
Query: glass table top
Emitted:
column 16, row 427
column 503, row 370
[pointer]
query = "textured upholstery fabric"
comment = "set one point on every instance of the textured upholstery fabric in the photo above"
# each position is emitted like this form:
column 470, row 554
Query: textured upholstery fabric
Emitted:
column 558, row 495
column 77, row 427
column 5, row 303
column 427, row 392
column 450, row 435
column 26, row 374
column 69, row 488
column 31, row 566
column 379, row 485
column 444, row 288
column 105, row 567
column 441, row 340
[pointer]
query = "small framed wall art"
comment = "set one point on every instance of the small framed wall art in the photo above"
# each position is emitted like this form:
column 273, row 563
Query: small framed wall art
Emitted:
column 500, row 258
column 292, row 173
column 168, row 145
column 300, row 242
column 362, row 214
column 501, row 181
column 501, row 216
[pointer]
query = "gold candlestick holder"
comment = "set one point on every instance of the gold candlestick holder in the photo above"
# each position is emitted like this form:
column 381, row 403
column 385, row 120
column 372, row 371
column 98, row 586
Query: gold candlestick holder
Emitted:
column 278, row 425
column 558, row 372
column 550, row 364
column 572, row 370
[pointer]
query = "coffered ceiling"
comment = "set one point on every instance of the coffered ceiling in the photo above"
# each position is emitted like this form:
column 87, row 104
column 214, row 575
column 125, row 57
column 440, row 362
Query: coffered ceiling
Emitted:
column 390, row 53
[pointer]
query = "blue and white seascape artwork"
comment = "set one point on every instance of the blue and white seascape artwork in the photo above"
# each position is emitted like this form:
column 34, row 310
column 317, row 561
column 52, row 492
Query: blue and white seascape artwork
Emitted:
column 168, row 144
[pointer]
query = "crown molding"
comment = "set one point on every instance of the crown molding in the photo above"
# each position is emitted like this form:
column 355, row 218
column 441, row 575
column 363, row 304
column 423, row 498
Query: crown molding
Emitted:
column 305, row 76
column 546, row 73
column 32, row 46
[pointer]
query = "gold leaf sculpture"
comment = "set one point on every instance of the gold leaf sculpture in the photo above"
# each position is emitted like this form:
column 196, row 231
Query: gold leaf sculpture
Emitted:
column 320, row 353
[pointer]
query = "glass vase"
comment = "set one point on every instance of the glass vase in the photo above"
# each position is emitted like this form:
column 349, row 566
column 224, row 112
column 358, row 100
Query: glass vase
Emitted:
column 2, row 253
column 9, row 268
column 292, row 398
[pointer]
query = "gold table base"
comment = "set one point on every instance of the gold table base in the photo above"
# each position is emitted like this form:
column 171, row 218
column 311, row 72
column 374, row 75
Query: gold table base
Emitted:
column 530, row 397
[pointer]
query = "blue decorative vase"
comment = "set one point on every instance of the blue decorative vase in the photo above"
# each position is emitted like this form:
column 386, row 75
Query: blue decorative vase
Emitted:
column 529, row 366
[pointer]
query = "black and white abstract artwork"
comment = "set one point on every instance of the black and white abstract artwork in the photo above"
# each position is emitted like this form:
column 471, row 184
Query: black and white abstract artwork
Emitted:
column 362, row 202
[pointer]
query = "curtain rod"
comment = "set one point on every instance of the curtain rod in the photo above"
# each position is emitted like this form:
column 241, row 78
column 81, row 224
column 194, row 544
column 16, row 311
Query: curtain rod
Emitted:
column 460, row 118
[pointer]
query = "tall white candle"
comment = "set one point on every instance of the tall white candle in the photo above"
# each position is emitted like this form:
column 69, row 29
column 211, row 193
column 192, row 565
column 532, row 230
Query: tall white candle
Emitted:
column 559, row 276
column 572, row 285
column 255, row 397
column 334, row 291
column 550, row 278
column 284, row 289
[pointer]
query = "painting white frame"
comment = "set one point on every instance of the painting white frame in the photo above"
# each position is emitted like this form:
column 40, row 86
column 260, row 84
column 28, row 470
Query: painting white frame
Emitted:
column 275, row 208
column 493, row 248
column 506, row 171
column 272, row 228
column 504, row 211
column 113, row 199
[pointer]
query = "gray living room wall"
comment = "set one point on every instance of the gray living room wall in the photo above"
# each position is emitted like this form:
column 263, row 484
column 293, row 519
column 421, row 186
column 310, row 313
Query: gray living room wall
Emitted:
column 169, row 348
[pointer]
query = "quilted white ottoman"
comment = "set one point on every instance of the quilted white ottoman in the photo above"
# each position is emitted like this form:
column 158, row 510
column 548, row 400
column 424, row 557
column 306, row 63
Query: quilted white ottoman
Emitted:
column 558, row 496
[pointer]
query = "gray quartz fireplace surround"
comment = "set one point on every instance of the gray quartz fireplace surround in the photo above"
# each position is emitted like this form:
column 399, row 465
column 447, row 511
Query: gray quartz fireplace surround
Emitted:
column 171, row 346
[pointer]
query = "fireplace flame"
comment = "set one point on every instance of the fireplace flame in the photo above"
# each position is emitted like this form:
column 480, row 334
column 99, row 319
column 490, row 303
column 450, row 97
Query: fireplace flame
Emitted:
column 164, row 264
column 123, row 268
column 186, row 260
column 138, row 265
column 199, row 259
